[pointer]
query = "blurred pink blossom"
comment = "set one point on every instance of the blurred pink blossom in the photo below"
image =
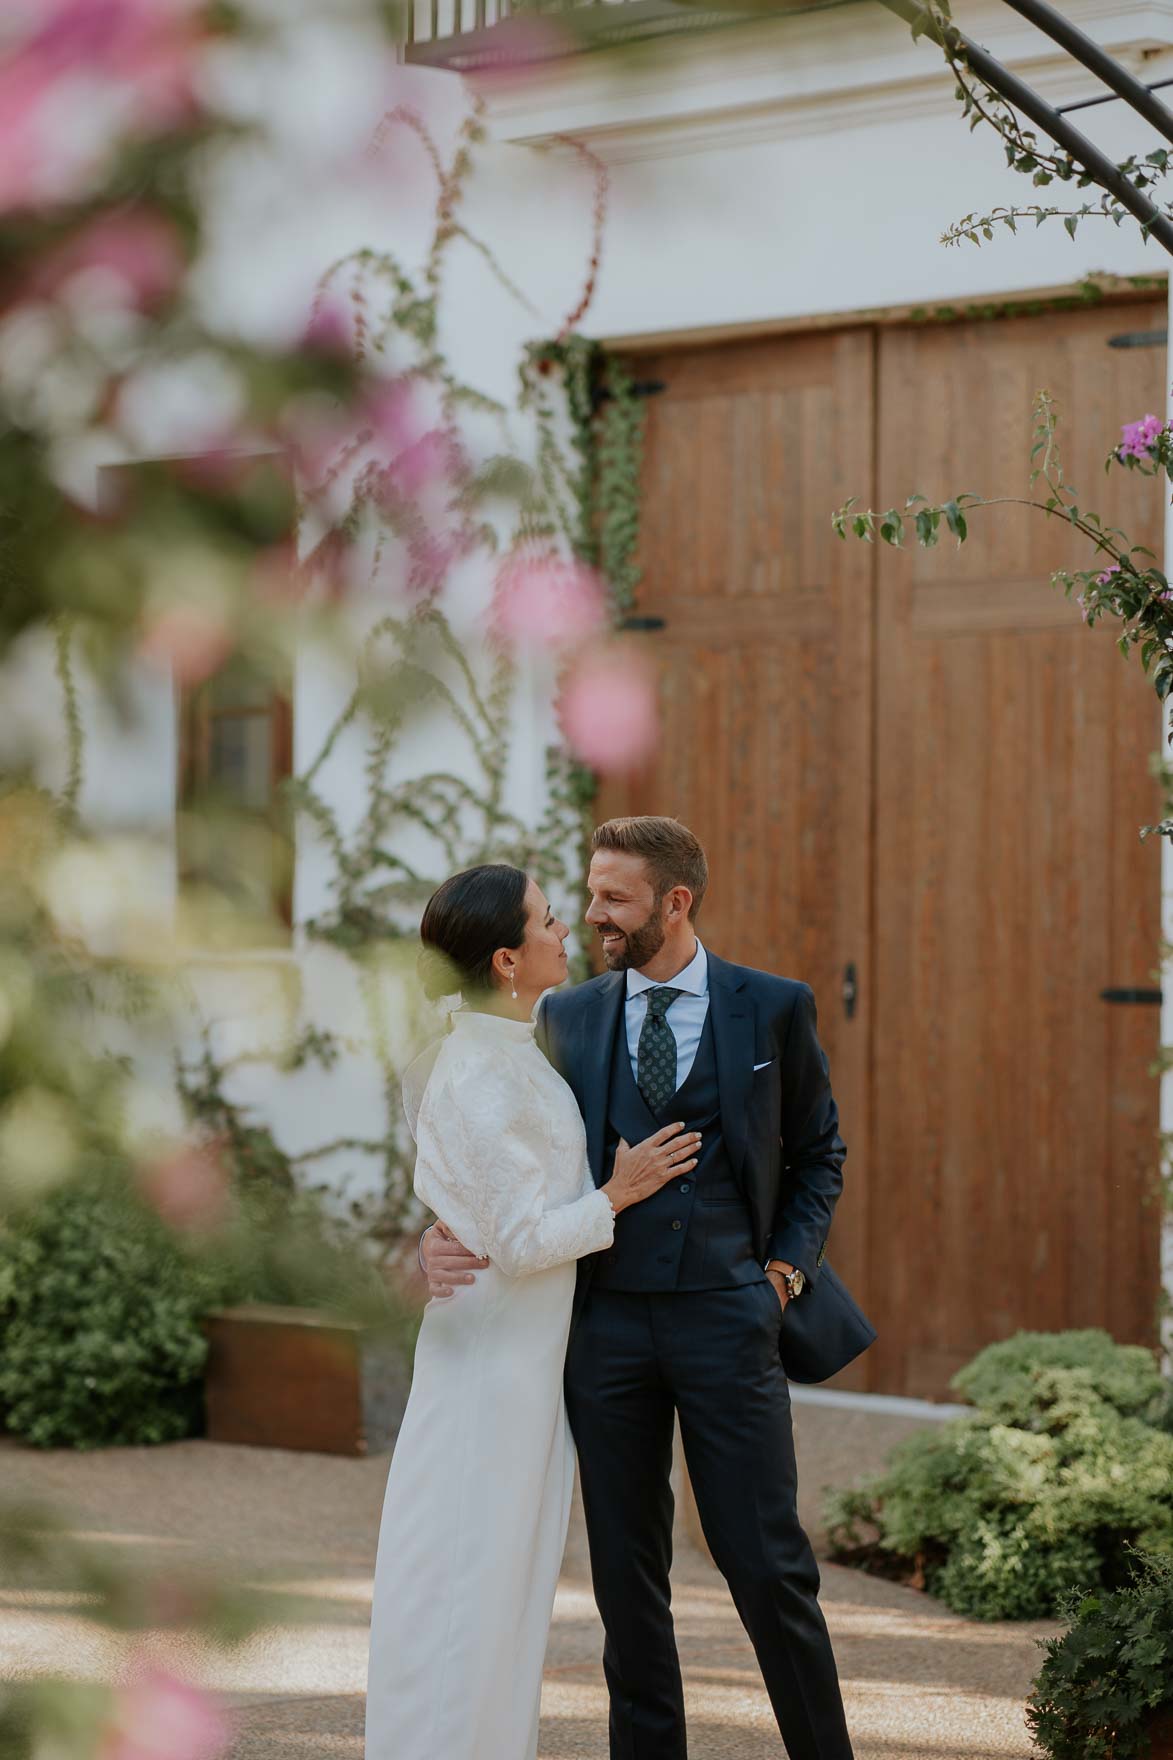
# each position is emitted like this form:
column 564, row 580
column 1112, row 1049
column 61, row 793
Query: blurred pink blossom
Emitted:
column 188, row 1188
column 608, row 710
column 190, row 640
column 141, row 250
column 547, row 602
column 432, row 555
column 277, row 578
column 1138, row 438
column 330, row 329
column 156, row 1716
column 130, row 61
column 529, row 42
column 1103, row 580
column 390, row 410
column 422, row 462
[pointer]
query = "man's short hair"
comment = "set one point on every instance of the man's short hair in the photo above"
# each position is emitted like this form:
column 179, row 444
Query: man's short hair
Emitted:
column 674, row 857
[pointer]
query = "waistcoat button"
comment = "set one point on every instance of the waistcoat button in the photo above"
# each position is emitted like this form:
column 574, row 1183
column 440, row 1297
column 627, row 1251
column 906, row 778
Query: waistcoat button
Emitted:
column 686, row 1187
column 677, row 1225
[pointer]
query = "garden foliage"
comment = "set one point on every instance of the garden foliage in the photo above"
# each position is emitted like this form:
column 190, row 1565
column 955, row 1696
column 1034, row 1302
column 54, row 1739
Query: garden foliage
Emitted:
column 99, row 1321
column 1110, row 1673
column 1065, row 1462
column 101, row 1305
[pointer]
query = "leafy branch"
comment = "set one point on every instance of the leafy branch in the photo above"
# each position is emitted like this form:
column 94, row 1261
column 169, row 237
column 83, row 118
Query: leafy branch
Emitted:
column 1025, row 152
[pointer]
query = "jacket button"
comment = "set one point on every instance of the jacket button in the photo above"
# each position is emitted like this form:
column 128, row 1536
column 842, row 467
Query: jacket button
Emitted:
column 678, row 1225
column 686, row 1187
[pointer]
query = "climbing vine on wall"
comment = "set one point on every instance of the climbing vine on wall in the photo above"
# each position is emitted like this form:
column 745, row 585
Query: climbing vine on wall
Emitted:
column 418, row 824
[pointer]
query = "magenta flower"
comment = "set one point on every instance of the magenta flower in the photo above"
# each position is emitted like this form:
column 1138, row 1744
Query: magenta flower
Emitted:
column 1102, row 580
column 190, row 641
column 608, row 710
column 188, row 1188
column 330, row 329
column 1137, row 439
column 139, row 251
column 546, row 602
column 122, row 66
column 156, row 1716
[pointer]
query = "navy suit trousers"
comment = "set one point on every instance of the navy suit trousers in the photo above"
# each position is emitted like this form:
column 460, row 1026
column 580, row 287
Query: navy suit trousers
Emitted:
column 636, row 1359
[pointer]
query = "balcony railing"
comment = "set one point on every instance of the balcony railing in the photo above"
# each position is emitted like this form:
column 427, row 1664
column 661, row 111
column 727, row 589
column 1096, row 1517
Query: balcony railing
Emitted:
column 467, row 35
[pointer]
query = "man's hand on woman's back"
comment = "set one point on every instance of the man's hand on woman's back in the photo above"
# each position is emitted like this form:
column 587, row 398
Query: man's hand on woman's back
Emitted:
column 445, row 1263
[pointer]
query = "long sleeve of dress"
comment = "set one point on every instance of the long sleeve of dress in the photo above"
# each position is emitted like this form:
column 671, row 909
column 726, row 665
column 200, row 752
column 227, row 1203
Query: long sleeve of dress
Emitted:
column 487, row 1146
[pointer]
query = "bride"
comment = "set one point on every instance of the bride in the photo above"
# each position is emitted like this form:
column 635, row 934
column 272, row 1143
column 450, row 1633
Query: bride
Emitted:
column 478, row 1496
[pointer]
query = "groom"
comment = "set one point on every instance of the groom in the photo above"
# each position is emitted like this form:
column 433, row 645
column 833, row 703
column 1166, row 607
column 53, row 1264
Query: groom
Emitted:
column 685, row 1313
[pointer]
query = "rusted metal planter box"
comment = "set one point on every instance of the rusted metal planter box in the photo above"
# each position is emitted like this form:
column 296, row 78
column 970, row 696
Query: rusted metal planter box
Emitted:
column 295, row 1378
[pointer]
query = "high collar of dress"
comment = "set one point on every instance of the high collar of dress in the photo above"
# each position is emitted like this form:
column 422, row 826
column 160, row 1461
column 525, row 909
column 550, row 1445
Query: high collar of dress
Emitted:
column 472, row 1023
column 694, row 978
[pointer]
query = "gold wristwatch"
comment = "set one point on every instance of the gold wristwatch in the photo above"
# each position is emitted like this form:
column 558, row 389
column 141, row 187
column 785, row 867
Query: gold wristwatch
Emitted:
column 794, row 1280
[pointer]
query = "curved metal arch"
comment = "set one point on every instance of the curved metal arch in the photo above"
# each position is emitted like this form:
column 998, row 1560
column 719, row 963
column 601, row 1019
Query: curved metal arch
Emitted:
column 1064, row 134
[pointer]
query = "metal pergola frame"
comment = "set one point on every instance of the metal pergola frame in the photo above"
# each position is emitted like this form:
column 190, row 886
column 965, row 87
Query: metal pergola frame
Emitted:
column 1054, row 122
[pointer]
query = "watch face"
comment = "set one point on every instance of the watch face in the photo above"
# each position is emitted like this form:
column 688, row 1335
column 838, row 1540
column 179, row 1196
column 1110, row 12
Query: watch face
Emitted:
column 798, row 1283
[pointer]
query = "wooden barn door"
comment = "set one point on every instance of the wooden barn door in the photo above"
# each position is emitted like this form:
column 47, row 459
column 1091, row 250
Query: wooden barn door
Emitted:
column 1013, row 1131
column 766, row 674
column 922, row 766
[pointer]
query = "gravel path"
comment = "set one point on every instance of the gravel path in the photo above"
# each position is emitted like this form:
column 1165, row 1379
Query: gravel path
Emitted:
column 920, row 1683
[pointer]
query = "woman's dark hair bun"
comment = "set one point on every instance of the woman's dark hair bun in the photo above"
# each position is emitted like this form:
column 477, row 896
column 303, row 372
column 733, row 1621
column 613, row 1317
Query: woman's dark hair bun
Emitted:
column 466, row 921
column 437, row 974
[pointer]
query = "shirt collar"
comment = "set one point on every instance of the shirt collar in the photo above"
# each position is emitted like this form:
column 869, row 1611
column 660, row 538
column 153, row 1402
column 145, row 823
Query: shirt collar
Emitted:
column 694, row 978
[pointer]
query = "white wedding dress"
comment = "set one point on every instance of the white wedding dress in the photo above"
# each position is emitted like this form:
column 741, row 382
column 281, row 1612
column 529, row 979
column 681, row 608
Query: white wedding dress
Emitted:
column 478, row 1496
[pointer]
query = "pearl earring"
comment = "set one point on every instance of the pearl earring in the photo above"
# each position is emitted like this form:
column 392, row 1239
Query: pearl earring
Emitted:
column 514, row 991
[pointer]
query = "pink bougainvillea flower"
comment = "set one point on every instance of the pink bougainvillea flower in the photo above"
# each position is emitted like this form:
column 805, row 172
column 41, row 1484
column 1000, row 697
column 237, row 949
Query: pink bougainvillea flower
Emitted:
column 146, row 45
column 547, row 602
column 156, row 1716
column 124, row 66
column 1103, row 580
column 140, row 251
column 390, row 411
column 608, row 710
column 190, row 640
column 421, row 464
column 277, row 578
column 330, row 330
column 432, row 555
column 1137, row 439
column 530, row 42
column 188, row 1188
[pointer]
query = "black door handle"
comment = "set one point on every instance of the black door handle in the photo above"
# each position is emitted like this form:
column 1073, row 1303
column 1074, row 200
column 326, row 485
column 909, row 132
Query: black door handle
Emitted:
column 850, row 990
column 1151, row 997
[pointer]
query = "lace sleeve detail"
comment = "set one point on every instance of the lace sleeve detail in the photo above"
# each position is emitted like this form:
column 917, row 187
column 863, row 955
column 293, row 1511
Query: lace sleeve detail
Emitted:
column 486, row 1147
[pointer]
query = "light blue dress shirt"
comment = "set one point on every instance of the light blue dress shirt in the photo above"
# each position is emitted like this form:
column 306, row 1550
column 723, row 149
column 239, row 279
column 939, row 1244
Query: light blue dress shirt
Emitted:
column 686, row 1017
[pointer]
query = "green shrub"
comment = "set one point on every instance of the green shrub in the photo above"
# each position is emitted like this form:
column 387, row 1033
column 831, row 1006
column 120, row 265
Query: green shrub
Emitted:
column 1002, row 1379
column 99, row 1321
column 1109, row 1672
column 1038, row 1494
column 101, row 1340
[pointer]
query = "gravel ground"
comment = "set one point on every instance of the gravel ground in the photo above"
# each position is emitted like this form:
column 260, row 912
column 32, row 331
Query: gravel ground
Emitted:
column 920, row 1683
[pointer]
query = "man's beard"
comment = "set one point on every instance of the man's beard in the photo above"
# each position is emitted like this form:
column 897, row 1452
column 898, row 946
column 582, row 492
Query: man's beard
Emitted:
column 638, row 945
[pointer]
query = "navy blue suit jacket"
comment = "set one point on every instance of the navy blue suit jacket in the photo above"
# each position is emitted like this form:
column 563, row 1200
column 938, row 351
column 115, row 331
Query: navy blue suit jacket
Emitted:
column 780, row 1123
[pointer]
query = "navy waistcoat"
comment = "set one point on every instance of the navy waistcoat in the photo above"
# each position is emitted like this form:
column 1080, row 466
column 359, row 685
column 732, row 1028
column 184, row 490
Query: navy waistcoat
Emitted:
column 695, row 1233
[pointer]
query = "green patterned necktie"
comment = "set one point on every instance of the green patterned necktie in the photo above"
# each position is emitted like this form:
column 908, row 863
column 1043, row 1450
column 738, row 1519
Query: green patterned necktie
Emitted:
column 656, row 1059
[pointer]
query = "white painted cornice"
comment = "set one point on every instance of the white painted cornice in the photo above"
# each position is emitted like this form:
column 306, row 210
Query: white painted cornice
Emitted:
column 815, row 72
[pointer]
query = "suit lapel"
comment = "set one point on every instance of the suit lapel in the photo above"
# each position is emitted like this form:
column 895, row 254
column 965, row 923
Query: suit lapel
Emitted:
column 600, row 1022
column 733, row 1041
